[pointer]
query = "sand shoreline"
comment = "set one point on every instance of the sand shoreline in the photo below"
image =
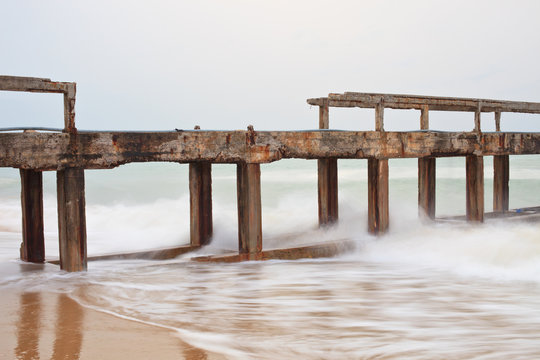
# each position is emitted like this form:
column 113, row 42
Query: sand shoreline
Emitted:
column 43, row 324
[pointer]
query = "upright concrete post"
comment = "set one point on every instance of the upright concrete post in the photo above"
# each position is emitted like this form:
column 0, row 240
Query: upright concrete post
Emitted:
column 477, row 119
column 200, row 195
column 501, row 177
column 71, row 219
column 33, row 245
column 248, row 180
column 378, row 184
column 379, row 116
column 426, row 175
column 327, row 184
column 324, row 116
column 327, row 191
column 426, row 187
column 475, row 188
column 377, row 195
column 69, row 108
column 71, row 200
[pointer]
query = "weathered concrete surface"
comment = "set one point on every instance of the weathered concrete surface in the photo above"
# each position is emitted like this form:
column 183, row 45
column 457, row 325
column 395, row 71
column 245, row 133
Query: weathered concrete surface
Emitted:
column 33, row 245
column 501, row 177
column 41, row 85
column 396, row 101
column 248, row 191
column 159, row 254
column 378, row 212
column 328, row 249
column 71, row 219
column 327, row 191
column 474, row 168
column 103, row 150
column 30, row 84
column 426, row 187
column 200, row 203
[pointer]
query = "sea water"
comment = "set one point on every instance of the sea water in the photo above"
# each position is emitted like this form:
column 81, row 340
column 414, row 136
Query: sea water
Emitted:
column 422, row 291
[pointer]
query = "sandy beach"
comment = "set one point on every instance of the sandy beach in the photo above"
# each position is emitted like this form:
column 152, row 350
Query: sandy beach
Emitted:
column 46, row 325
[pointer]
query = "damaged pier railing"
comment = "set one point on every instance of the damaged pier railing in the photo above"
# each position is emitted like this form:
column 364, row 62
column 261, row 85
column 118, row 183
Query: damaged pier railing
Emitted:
column 70, row 152
column 434, row 144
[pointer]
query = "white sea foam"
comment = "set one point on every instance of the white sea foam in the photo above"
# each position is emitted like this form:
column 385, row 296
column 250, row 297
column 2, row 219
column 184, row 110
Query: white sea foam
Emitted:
column 421, row 291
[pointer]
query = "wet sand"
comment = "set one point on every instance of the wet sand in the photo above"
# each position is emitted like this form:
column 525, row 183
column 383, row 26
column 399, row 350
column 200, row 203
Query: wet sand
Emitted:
column 43, row 325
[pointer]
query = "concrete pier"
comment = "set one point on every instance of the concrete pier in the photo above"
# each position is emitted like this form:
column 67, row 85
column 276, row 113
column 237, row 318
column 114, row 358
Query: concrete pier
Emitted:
column 70, row 152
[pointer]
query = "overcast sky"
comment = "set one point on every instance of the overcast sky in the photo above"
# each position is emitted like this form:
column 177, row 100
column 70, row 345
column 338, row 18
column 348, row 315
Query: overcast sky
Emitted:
column 225, row 64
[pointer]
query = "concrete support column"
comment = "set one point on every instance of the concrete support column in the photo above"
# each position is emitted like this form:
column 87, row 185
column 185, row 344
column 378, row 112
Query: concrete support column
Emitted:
column 248, row 179
column 200, row 195
column 426, row 187
column 33, row 245
column 377, row 196
column 501, row 177
column 327, row 191
column 71, row 219
column 475, row 188
column 327, row 186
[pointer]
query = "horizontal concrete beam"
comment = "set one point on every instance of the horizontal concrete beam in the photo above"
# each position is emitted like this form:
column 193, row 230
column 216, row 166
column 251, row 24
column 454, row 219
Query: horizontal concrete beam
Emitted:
column 29, row 84
column 328, row 249
column 103, row 150
column 41, row 85
column 393, row 101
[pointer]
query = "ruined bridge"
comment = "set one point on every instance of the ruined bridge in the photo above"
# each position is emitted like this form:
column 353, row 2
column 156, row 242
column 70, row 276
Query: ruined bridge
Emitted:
column 69, row 152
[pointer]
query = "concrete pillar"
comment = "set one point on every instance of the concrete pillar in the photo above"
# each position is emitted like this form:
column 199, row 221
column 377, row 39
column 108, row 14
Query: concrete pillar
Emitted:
column 475, row 188
column 377, row 196
column 249, row 210
column 71, row 219
column 200, row 195
column 33, row 245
